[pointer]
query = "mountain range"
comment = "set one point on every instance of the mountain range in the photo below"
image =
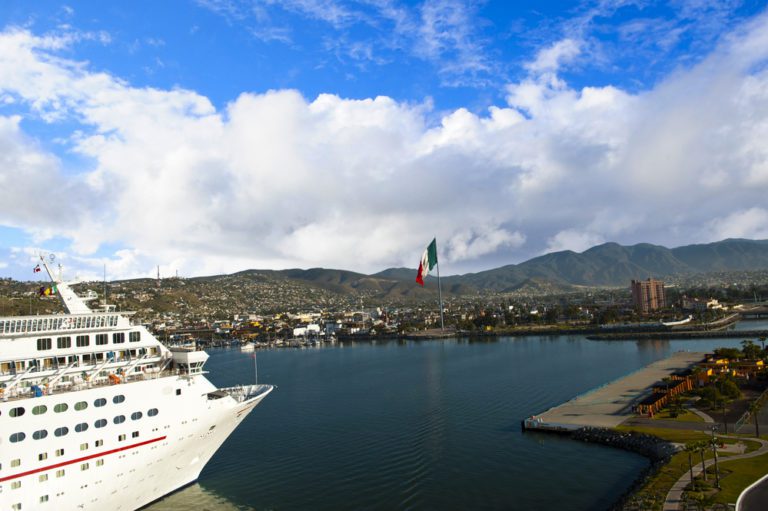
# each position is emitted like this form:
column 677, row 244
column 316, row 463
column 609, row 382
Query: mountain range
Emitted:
column 606, row 265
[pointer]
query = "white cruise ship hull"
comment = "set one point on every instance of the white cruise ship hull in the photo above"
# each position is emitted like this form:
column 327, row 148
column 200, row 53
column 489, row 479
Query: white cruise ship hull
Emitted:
column 123, row 465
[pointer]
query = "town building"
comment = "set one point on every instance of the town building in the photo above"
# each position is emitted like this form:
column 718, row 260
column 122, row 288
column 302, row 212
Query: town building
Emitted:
column 648, row 295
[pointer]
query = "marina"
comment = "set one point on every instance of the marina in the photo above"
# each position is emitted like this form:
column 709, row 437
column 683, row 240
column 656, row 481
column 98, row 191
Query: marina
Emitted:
column 422, row 425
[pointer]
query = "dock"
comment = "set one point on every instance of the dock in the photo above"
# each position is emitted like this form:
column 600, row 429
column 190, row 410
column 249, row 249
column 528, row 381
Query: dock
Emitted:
column 611, row 404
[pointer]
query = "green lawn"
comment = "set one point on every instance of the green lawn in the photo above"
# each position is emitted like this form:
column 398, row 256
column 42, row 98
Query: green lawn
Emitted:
column 685, row 416
column 733, row 482
column 737, row 475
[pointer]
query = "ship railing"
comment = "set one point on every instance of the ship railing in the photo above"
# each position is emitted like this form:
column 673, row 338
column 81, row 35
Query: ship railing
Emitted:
column 241, row 393
column 63, row 387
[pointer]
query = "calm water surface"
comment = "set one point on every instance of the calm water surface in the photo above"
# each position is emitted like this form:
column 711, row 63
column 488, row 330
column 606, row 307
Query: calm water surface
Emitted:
column 420, row 425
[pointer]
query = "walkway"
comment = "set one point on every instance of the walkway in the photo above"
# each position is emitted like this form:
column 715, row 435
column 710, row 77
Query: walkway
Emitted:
column 675, row 495
column 613, row 403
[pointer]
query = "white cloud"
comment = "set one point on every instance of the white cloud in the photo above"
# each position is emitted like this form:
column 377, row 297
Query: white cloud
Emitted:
column 278, row 180
column 748, row 223
column 574, row 239
column 551, row 58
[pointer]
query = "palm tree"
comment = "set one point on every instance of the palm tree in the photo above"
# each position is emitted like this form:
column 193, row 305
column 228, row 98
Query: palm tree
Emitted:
column 690, row 448
column 701, row 446
column 753, row 409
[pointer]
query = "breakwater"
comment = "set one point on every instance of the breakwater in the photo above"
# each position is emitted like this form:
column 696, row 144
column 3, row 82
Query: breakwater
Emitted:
column 697, row 334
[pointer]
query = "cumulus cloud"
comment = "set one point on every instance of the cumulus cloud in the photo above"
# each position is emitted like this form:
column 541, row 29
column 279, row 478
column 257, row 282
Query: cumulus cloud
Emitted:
column 275, row 179
column 748, row 223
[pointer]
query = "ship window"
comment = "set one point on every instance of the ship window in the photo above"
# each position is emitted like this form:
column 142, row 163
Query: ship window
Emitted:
column 99, row 463
column 44, row 498
column 134, row 336
column 118, row 399
column 16, row 506
column 15, row 485
column 118, row 337
column 100, row 423
column 84, row 447
column 178, row 392
column 152, row 412
column 39, row 410
column 16, row 412
column 121, row 438
column 83, row 426
column 135, row 434
column 99, row 443
column 61, row 431
column 40, row 434
column 44, row 344
column 100, row 402
column 16, row 462
column 102, row 339
column 82, row 341
column 60, row 473
column 18, row 437
column 81, row 405
column 63, row 342
column 119, row 419
column 43, row 478
column 42, row 456
column 136, row 416
column 59, row 452
column 84, row 466
column 61, row 407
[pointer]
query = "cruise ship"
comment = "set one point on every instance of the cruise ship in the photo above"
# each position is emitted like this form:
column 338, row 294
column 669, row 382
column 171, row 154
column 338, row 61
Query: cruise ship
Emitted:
column 96, row 413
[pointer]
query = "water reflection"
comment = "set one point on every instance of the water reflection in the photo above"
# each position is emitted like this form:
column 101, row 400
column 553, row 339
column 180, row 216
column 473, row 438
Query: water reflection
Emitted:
column 198, row 498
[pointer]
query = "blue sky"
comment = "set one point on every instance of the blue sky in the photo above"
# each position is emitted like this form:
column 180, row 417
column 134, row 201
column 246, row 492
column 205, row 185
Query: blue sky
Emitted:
column 216, row 135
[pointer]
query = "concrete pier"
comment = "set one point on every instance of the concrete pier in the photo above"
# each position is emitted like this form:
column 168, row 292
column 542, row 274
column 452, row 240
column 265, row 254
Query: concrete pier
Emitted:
column 613, row 403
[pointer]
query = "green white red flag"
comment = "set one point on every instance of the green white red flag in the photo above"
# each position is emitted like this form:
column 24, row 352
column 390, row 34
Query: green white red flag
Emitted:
column 428, row 261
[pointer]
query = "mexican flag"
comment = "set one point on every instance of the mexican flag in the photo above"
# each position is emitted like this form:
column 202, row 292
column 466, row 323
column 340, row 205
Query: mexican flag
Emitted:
column 428, row 261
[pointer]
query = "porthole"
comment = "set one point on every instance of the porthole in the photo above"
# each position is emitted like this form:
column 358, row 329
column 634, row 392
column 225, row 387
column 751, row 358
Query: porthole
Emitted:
column 100, row 423
column 17, row 437
column 61, row 431
column 152, row 412
column 16, row 412
column 39, row 410
column 61, row 407
column 83, row 426
column 118, row 399
column 40, row 434
column 100, row 402
column 119, row 419
column 81, row 405
column 136, row 416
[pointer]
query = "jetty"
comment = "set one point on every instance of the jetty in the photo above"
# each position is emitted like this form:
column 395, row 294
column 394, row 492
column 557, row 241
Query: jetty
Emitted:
column 611, row 404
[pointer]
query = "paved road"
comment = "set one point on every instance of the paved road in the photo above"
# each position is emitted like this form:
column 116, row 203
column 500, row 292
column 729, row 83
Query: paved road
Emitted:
column 675, row 495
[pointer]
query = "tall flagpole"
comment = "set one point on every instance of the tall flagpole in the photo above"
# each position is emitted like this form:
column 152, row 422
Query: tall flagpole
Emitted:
column 439, row 290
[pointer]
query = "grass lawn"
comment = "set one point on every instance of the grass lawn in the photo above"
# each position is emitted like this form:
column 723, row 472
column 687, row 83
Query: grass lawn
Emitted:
column 678, row 436
column 737, row 478
column 737, row 475
column 685, row 416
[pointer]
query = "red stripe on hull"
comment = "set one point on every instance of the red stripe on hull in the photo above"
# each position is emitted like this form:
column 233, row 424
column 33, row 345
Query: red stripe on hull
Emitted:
column 78, row 460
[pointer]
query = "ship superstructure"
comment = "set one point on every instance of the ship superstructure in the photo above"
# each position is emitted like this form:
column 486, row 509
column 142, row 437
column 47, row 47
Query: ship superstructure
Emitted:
column 95, row 413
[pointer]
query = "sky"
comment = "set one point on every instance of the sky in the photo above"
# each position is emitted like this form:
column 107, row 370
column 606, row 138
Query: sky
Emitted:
column 213, row 136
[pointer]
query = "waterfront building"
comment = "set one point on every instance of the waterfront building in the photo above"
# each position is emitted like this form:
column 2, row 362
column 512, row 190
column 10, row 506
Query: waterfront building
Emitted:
column 648, row 295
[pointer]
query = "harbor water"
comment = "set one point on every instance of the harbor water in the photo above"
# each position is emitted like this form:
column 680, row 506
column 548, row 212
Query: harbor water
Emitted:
column 420, row 425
